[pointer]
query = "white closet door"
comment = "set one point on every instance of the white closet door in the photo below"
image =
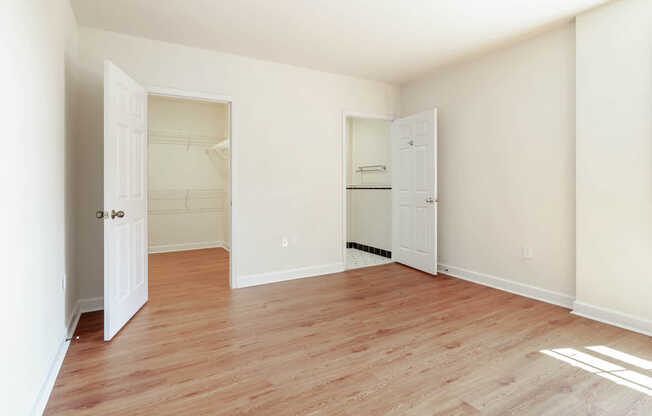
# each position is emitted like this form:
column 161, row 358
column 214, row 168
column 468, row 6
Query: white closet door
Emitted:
column 414, row 191
column 125, row 199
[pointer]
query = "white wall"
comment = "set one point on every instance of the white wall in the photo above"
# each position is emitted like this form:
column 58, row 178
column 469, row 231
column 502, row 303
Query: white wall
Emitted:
column 614, row 159
column 369, row 210
column 188, row 205
column 37, row 64
column 287, row 122
column 506, row 160
column 370, row 217
column 370, row 145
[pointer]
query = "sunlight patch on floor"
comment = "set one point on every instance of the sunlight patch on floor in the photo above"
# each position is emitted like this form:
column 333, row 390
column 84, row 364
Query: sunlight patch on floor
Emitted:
column 606, row 369
column 621, row 356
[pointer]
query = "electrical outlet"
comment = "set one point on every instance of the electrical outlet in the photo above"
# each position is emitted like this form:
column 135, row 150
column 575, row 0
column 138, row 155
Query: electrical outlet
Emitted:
column 284, row 242
column 527, row 253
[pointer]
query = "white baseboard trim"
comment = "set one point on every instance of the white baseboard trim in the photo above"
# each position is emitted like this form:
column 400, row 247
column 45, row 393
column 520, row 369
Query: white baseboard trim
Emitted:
column 533, row 292
column 168, row 248
column 48, row 385
column 281, row 276
column 81, row 306
column 613, row 317
column 90, row 304
column 73, row 320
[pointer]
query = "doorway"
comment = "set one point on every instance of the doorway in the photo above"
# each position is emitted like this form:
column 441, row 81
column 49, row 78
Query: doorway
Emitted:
column 389, row 188
column 199, row 182
column 189, row 210
column 188, row 172
column 368, row 191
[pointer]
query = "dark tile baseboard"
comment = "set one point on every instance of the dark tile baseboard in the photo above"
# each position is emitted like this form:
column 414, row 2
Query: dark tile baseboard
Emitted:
column 369, row 249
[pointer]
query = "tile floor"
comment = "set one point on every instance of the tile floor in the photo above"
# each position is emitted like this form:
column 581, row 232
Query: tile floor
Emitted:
column 358, row 258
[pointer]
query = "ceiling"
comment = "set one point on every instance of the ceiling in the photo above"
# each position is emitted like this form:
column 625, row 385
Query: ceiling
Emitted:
column 386, row 40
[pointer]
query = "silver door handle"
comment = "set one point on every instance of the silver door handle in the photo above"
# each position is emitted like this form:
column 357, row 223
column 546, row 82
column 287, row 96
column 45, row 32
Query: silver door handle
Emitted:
column 118, row 214
column 431, row 201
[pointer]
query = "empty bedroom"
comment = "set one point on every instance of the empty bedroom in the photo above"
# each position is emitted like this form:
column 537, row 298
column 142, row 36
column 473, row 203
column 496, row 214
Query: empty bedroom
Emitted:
column 427, row 207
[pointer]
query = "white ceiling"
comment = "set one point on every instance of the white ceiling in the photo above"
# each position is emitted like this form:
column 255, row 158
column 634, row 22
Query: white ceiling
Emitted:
column 388, row 40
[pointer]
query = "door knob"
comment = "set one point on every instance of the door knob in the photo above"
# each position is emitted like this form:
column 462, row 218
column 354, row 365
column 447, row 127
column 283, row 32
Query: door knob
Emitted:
column 118, row 214
column 430, row 201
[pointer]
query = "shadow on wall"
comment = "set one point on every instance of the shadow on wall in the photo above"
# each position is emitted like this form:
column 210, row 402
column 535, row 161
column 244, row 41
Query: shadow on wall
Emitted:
column 89, row 197
column 70, row 189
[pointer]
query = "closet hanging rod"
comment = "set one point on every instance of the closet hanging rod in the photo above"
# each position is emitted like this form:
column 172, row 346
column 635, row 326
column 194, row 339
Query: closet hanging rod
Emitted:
column 173, row 211
column 184, row 134
column 372, row 168
column 187, row 139
column 172, row 194
column 369, row 187
column 184, row 142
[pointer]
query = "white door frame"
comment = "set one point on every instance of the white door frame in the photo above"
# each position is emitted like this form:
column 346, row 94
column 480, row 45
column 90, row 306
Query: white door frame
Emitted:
column 343, row 154
column 234, row 146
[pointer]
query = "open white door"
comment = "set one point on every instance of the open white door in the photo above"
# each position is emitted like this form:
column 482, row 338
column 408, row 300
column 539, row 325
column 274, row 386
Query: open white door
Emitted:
column 125, row 198
column 414, row 191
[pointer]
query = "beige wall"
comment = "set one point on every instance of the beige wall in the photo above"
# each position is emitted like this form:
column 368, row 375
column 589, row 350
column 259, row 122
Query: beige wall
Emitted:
column 506, row 161
column 287, row 122
column 370, row 217
column 188, row 205
column 614, row 160
column 506, row 164
column 39, row 41
column 370, row 145
column 369, row 211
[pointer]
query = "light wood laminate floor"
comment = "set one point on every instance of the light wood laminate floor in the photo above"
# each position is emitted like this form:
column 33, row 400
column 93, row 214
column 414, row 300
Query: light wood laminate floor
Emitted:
column 384, row 340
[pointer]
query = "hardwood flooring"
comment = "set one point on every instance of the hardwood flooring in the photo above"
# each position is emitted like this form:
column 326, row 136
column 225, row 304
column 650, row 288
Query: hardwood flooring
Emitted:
column 385, row 340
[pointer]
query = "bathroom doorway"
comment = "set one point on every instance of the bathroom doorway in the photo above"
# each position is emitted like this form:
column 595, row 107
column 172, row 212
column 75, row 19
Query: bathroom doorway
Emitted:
column 368, row 191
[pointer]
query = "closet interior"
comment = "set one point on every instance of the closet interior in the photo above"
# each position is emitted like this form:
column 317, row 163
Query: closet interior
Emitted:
column 189, row 175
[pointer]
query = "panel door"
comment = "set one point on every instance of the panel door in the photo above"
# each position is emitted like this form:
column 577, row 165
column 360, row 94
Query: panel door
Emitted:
column 125, row 199
column 414, row 191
